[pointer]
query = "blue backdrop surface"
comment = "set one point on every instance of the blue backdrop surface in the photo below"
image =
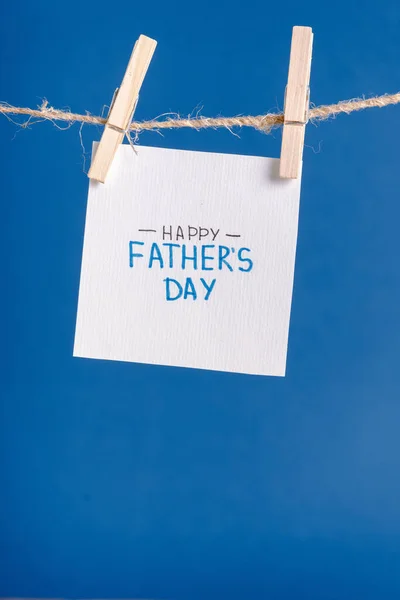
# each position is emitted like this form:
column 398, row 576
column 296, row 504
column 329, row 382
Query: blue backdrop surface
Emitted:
column 126, row 480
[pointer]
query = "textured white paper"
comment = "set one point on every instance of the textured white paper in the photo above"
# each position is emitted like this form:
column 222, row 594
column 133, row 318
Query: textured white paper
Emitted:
column 242, row 323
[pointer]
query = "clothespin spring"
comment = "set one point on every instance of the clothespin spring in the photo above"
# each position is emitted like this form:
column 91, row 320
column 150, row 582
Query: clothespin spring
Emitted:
column 125, row 132
column 306, row 114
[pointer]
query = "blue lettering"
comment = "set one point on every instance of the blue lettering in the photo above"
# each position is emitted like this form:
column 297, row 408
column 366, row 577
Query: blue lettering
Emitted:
column 223, row 252
column 185, row 257
column 204, row 257
column 171, row 253
column 190, row 290
column 155, row 254
column 168, row 282
column 247, row 260
column 132, row 254
column 208, row 288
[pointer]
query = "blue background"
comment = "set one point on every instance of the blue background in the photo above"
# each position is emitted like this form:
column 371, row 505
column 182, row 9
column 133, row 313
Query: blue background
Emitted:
column 125, row 480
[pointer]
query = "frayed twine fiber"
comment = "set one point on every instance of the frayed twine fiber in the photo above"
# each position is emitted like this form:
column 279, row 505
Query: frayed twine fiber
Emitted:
column 263, row 122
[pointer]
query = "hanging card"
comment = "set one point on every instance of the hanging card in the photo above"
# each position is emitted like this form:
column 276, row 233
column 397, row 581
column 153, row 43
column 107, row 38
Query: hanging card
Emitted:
column 188, row 261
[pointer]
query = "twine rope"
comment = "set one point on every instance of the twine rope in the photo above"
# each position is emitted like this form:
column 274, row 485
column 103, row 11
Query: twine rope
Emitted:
column 262, row 122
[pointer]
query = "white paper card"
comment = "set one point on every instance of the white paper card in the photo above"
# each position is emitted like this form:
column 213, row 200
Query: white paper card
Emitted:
column 188, row 261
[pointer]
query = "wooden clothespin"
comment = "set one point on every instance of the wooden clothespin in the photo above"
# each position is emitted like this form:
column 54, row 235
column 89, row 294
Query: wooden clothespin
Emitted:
column 297, row 98
column 122, row 108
